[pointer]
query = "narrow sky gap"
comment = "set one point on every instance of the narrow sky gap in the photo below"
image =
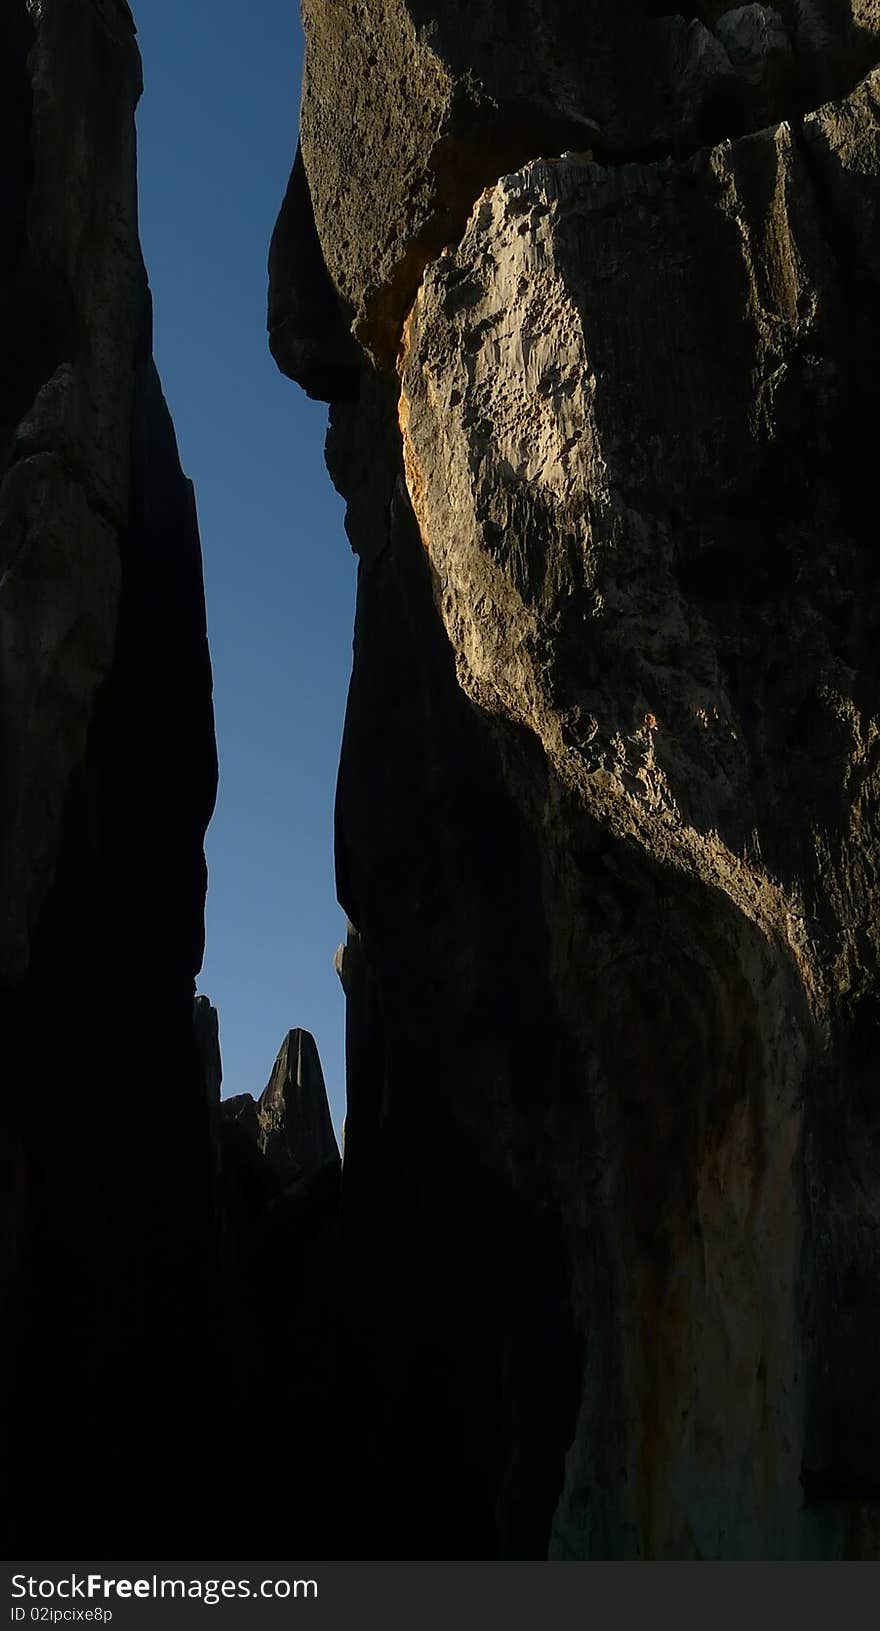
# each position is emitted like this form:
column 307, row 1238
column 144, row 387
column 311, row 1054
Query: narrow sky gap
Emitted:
column 217, row 134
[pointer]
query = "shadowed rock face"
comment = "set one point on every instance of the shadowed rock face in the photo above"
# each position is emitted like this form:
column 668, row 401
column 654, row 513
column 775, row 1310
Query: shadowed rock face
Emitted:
column 296, row 1132
column 608, row 802
column 289, row 1127
column 107, row 770
column 166, row 1271
column 278, row 1193
column 280, row 1145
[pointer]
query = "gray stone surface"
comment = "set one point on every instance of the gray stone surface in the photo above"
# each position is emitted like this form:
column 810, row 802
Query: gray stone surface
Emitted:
column 607, row 820
column 411, row 108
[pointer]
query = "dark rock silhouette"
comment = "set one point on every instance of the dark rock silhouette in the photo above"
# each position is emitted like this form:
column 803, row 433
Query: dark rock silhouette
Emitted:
column 111, row 1290
column 296, row 1132
column 206, row 1023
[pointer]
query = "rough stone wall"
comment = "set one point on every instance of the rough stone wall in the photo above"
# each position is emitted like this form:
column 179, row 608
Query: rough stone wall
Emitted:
column 608, row 797
column 107, row 780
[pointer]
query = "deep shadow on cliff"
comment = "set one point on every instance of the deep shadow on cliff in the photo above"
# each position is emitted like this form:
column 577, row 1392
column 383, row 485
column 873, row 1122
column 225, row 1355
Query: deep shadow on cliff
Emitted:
column 111, row 1284
column 593, row 298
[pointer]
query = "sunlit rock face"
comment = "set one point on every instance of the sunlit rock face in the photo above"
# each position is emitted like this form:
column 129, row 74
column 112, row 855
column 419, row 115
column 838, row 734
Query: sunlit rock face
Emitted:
column 107, row 777
column 608, row 801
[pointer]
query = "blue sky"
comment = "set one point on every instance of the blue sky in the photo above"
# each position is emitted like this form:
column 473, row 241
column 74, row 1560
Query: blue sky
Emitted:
column 217, row 133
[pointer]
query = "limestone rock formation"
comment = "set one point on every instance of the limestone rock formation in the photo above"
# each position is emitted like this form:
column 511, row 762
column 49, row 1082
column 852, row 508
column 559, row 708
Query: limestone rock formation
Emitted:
column 278, row 1221
column 412, row 107
column 607, row 819
column 289, row 1127
column 279, row 1151
column 295, row 1128
column 107, row 777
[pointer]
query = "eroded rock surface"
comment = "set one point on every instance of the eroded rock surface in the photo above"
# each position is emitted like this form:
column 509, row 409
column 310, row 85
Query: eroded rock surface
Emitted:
column 411, row 108
column 608, row 801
